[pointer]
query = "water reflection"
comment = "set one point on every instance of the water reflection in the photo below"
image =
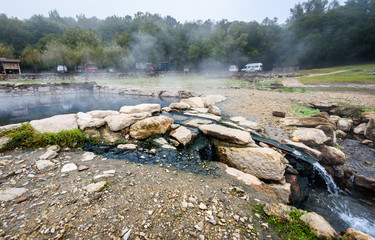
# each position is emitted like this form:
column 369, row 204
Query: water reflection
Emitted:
column 27, row 108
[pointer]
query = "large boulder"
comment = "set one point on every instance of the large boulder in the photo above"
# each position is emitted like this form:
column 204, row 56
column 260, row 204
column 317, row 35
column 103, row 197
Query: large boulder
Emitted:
column 305, row 121
column 119, row 122
column 332, row 156
column 310, row 136
column 183, row 135
column 245, row 123
column 264, row 163
column 56, row 123
column 353, row 234
column 194, row 102
column 370, row 129
column 345, row 124
column 226, row 134
column 319, row 225
column 149, row 126
column 103, row 113
column 145, row 107
column 214, row 110
column 365, row 184
column 85, row 120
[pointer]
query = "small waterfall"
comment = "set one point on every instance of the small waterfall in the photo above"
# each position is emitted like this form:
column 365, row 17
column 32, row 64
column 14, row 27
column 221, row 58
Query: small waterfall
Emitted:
column 347, row 208
column 331, row 185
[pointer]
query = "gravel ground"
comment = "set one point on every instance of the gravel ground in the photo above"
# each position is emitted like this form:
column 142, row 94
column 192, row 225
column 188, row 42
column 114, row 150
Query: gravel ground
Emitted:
column 153, row 201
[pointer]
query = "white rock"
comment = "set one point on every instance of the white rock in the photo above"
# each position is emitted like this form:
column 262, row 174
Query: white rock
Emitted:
column 246, row 178
column 345, row 124
column 160, row 141
column 195, row 102
column 360, row 129
column 43, row 164
column 69, row 167
column 310, row 136
column 95, row 187
column 88, row 156
column 11, row 193
column 151, row 108
column 50, row 154
column 103, row 113
column 196, row 122
column 56, row 124
column 127, row 146
column 179, row 106
column 214, row 110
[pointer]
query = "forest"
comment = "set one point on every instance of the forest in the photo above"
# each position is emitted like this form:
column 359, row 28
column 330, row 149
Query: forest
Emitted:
column 318, row 33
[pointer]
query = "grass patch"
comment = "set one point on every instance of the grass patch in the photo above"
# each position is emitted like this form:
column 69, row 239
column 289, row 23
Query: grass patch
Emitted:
column 370, row 67
column 303, row 111
column 295, row 229
column 27, row 137
column 295, row 90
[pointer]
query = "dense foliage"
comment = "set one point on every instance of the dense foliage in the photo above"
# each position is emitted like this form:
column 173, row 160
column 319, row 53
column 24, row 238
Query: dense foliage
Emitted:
column 318, row 33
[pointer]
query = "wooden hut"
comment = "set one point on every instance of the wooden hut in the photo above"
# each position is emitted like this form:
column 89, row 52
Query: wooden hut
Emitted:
column 10, row 66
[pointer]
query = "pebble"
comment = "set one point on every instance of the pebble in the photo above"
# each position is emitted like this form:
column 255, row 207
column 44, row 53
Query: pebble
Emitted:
column 69, row 167
column 199, row 226
column 202, row 206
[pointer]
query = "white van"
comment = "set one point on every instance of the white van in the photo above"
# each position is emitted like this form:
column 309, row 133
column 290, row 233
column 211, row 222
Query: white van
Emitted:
column 253, row 67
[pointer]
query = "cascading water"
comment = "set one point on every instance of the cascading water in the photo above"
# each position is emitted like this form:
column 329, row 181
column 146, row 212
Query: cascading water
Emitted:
column 339, row 209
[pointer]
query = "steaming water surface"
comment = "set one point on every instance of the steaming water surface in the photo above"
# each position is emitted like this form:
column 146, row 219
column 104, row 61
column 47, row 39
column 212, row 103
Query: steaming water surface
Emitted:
column 27, row 108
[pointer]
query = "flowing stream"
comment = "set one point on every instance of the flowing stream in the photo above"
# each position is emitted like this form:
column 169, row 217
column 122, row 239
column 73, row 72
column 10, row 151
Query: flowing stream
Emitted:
column 339, row 209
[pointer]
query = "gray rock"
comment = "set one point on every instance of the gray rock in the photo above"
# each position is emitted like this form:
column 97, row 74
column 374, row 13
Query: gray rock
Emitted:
column 119, row 122
column 4, row 141
column 183, row 135
column 87, row 121
column 203, row 115
column 365, row 116
column 11, row 193
column 69, row 167
column 214, row 110
column 213, row 99
column 55, row 148
column 196, row 122
column 360, row 129
column 245, row 178
column 43, row 164
column 50, row 154
column 160, row 141
column 56, row 124
column 141, row 108
column 227, row 134
column 283, row 191
column 245, row 123
column 310, row 136
column 195, row 102
column 179, row 106
column 345, row 125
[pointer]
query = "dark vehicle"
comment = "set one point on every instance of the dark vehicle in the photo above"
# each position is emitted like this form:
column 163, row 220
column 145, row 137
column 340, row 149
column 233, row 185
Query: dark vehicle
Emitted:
column 145, row 67
column 91, row 67
column 164, row 66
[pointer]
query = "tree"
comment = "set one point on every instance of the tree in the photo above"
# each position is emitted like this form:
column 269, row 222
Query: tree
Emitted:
column 6, row 51
column 31, row 57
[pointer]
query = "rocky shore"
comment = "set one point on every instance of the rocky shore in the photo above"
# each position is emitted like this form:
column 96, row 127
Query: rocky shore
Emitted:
column 71, row 194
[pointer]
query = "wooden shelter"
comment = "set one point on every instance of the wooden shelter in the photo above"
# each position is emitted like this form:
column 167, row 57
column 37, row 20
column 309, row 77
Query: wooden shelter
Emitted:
column 10, row 66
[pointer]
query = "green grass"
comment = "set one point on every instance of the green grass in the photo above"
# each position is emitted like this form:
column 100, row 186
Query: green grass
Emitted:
column 295, row 229
column 27, row 137
column 353, row 74
column 302, row 111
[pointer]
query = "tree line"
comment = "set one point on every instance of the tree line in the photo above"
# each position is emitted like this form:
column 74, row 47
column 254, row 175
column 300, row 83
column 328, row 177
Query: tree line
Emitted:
column 317, row 33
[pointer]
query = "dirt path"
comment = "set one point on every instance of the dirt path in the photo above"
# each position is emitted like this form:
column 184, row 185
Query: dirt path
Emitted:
column 324, row 74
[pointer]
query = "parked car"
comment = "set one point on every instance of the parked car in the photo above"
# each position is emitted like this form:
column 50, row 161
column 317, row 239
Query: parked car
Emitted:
column 233, row 68
column 253, row 67
column 61, row 69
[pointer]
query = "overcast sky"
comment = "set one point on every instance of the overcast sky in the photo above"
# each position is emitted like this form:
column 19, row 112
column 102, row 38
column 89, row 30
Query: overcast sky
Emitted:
column 181, row 10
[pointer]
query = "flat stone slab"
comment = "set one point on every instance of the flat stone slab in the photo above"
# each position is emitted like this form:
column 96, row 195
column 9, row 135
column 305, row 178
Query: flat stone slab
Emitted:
column 151, row 108
column 127, row 146
column 56, row 123
column 11, row 193
column 95, row 187
column 226, row 134
column 196, row 122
